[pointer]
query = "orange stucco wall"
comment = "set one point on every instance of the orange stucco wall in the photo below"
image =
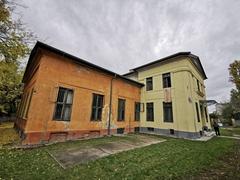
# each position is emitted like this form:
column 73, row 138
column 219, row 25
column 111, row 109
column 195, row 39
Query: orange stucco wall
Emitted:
column 55, row 71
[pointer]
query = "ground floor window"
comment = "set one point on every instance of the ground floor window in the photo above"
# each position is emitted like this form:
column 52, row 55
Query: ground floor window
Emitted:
column 63, row 105
column 150, row 111
column 121, row 109
column 197, row 110
column 97, row 105
column 167, row 112
column 137, row 111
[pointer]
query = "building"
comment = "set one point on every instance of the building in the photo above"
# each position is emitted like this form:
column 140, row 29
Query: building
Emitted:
column 65, row 97
column 173, row 99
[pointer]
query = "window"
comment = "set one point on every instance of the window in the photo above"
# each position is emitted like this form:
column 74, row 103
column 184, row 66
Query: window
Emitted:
column 150, row 114
column 29, row 102
column 120, row 130
column 198, row 85
column 137, row 129
column 63, row 104
column 149, row 84
column 166, row 80
column 121, row 109
column 137, row 111
column 206, row 114
column 97, row 105
column 197, row 110
column 151, row 129
column 167, row 112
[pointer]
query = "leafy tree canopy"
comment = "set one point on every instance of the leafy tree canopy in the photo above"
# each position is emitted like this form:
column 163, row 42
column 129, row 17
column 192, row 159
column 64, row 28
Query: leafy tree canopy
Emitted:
column 14, row 45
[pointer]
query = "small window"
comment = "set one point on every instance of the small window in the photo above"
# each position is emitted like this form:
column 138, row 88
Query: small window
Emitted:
column 149, row 84
column 136, row 129
column 167, row 112
column 197, row 110
column 150, row 112
column 97, row 105
column 206, row 114
column 121, row 109
column 172, row 131
column 120, row 130
column 166, row 80
column 150, row 129
column 64, row 104
column 137, row 111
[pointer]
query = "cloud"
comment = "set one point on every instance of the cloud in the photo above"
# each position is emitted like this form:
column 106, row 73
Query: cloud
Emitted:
column 120, row 35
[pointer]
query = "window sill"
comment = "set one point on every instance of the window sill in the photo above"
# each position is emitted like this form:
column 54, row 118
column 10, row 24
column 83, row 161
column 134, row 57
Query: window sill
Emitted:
column 61, row 120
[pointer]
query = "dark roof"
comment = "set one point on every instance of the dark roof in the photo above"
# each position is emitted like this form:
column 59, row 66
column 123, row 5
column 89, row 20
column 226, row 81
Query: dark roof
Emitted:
column 194, row 58
column 76, row 60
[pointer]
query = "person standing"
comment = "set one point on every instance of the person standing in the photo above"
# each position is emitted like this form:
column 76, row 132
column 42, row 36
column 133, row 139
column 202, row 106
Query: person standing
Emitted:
column 216, row 128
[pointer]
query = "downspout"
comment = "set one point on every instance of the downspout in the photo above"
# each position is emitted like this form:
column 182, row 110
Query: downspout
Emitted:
column 110, row 105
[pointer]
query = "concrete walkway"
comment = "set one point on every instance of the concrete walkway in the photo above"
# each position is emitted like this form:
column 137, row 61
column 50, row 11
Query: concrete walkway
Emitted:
column 83, row 155
column 230, row 137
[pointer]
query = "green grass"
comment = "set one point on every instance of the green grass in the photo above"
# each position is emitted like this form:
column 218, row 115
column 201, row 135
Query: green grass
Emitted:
column 7, row 134
column 230, row 131
column 173, row 158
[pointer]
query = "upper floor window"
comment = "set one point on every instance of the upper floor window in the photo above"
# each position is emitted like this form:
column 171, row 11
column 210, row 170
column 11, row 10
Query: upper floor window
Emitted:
column 150, row 111
column 97, row 105
column 137, row 111
column 198, row 85
column 149, row 84
column 166, row 80
column 63, row 104
column 167, row 112
column 121, row 109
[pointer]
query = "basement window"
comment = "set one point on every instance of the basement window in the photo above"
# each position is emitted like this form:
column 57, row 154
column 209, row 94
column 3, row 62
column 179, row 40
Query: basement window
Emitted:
column 150, row 129
column 136, row 129
column 171, row 131
column 120, row 130
column 64, row 104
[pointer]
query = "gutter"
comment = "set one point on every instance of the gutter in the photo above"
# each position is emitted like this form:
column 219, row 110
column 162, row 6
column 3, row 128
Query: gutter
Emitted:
column 110, row 105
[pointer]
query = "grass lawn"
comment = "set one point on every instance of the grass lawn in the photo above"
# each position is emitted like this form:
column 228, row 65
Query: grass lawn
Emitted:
column 7, row 133
column 230, row 131
column 175, row 158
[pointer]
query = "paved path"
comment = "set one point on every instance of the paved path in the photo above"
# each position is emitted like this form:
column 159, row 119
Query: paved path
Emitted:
column 82, row 155
column 231, row 137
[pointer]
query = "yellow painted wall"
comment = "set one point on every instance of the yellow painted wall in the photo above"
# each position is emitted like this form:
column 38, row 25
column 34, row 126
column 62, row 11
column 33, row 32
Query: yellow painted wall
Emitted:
column 183, row 92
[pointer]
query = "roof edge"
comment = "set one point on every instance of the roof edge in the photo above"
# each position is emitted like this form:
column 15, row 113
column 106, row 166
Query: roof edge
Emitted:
column 74, row 58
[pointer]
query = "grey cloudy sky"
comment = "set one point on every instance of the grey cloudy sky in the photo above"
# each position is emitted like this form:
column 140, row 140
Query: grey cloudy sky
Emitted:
column 122, row 34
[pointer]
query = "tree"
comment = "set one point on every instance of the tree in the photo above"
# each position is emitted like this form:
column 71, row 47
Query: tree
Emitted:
column 234, row 71
column 10, row 87
column 14, row 38
column 235, row 100
column 14, row 45
column 227, row 113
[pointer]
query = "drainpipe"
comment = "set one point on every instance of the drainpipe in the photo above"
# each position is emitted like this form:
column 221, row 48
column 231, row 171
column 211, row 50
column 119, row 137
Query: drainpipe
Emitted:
column 110, row 105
